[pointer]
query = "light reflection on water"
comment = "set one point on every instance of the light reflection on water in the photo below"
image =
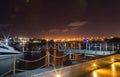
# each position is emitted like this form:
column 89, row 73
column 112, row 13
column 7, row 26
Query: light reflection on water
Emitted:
column 112, row 70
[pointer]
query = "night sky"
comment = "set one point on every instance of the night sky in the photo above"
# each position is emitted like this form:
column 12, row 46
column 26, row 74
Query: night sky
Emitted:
column 60, row 18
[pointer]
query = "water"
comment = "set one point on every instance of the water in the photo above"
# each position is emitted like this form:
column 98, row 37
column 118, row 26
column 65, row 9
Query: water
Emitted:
column 36, row 56
column 31, row 57
column 112, row 70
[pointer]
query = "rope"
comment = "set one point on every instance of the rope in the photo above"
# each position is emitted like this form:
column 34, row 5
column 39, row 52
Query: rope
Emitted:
column 32, row 60
column 58, row 56
column 43, row 65
column 20, row 70
column 28, row 70
column 5, row 73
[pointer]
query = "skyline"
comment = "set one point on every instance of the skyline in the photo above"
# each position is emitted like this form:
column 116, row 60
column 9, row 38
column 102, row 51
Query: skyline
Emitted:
column 60, row 18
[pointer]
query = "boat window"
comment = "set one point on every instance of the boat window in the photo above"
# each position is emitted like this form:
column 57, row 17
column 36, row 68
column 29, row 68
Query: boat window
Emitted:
column 4, row 47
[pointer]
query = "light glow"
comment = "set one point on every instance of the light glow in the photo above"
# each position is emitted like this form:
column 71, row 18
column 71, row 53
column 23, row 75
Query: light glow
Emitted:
column 58, row 75
column 57, row 72
column 112, row 60
column 113, row 70
column 94, row 74
column 94, row 65
column 6, row 41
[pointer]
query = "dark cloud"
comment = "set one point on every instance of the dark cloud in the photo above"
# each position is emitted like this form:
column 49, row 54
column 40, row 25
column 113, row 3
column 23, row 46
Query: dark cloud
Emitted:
column 6, row 25
column 78, row 24
column 37, row 18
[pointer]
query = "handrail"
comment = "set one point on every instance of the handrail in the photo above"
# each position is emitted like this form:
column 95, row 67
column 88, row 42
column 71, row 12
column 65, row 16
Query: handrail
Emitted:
column 27, row 70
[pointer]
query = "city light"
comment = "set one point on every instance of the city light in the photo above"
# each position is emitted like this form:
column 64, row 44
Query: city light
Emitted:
column 6, row 41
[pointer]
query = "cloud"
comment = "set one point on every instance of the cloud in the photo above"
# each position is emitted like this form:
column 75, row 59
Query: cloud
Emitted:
column 59, row 30
column 65, row 30
column 53, row 30
column 77, row 24
column 74, row 28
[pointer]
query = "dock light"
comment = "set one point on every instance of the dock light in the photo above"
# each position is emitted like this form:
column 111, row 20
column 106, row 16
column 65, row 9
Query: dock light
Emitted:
column 94, row 65
column 58, row 75
column 112, row 60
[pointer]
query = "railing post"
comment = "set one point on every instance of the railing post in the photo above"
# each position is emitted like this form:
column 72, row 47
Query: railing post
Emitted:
column 14, row 64
column 55, row 54
column 86, row 46
column 70, row 55
column 113, row 47
column 100, row 47
column 79, row 45
column 65, row 46
column 106, row 47
column 84, row 53
column 96, row 49
column 117, row 46
column 89, row 46
column 71, row 45
column 48, row 59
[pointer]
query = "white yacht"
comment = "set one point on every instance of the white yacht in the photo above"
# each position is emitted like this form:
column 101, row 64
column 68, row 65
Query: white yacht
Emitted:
column 7, row 50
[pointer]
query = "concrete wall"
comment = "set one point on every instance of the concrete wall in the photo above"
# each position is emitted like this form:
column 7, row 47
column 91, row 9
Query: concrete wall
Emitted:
column 82, row 68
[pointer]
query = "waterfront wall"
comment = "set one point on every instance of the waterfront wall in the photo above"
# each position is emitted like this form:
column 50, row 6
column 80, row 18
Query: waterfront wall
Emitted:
column 82, row 68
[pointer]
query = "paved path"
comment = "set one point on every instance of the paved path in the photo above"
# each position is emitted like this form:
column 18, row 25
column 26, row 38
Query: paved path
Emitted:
column 110, row 71
column 32, row 72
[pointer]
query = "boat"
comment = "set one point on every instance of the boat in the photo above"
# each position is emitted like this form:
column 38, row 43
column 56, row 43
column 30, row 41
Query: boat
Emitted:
column 7, row 54
column 7, row 50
